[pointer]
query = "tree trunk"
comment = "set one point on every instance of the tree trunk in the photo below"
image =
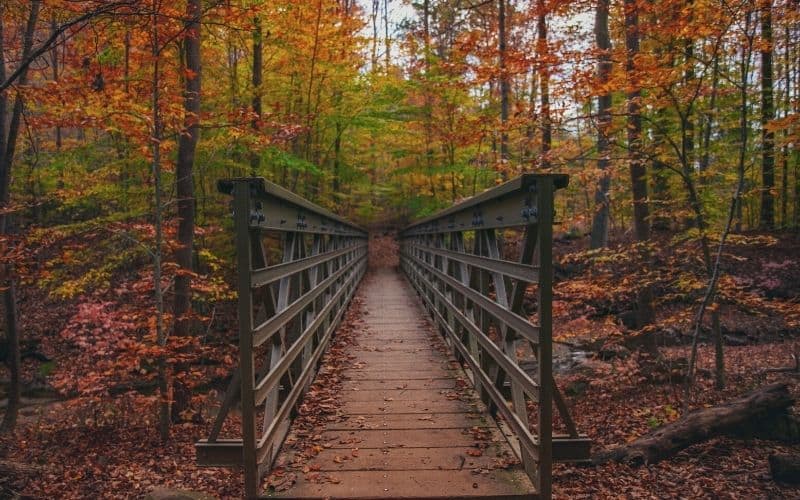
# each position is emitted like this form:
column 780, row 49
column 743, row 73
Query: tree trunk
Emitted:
column 54, row 66
column 530, row 128
column 374, row 18
column 187, row 145
column 767, row 218
column 542, row 50
column 257, row 80
column 8, row 145
column 13, row 360
column 599, row 236
column 787, row 102
column 158, row 293
column 387, row 41
column 641, row 222
column 748, row 415
column 427, row 95
column 504, row 86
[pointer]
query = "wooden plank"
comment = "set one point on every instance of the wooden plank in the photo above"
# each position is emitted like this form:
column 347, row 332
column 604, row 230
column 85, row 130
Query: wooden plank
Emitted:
column 378, row 407
column 403, row 459
column 457, row 420
column 404, row 394
column 416, row 484
column 400, row 383
column 378, row 374
column 398, row 438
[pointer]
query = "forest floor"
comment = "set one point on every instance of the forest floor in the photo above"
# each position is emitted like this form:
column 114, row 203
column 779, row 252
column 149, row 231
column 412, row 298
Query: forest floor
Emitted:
column 92, row 444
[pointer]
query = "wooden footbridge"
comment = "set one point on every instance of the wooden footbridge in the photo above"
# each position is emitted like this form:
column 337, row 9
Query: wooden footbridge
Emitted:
column 433, row 402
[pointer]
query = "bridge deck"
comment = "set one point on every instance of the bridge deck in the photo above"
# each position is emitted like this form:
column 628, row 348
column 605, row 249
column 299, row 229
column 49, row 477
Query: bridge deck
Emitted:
column 410, row 426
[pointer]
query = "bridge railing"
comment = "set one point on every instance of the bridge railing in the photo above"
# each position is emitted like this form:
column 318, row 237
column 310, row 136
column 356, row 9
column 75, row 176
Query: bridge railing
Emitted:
column 475, row 293
column 298, row 266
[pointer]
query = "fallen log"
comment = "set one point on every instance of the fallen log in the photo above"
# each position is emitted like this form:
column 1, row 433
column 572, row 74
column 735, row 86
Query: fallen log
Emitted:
column 744, row 416
column 785, row 468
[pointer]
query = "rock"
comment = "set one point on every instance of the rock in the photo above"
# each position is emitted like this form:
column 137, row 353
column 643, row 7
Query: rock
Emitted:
column 613, row 350
column 785, row 468
column 168, row 494
column 629, row 319
column 577, row 387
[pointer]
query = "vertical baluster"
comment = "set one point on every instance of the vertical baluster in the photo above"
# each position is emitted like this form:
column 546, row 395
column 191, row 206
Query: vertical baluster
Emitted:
column 545, row 417
column 244, row 266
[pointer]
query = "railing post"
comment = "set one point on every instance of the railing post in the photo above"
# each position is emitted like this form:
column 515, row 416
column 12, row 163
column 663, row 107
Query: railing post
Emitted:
column 241, row 209
column 544, row 188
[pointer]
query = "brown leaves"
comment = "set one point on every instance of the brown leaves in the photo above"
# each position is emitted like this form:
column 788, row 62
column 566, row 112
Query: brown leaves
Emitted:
column 281, row 481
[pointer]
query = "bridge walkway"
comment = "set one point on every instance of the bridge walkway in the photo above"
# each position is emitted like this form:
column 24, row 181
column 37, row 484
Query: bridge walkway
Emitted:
column 409, row 424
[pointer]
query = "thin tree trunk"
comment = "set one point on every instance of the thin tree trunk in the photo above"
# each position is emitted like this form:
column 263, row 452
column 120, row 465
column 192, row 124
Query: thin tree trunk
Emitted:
column 767, row 218
column 54, row 67
column 714, row 269
column 127, row 63
column 543, row 50
column 310, row 116
column 187, row 145
column 337, row 152
column 504, row 86
column 386, row 39
column 687, row 135
column 638, row 170
column 428, row 104
column 374, row 18
column 705, row 160
column 787, row 99
column 599, row 236
column 8, row 144
column 530, row 129
column 257, row 81
column 158, row 293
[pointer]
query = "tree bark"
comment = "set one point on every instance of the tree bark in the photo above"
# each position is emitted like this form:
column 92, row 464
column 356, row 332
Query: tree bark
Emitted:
column 13, row 359
column 787, row 100
column 504, row 85
column 641, row 222
column 54, row 67
column 542, row 50
column 387, row 41
column 746, row 415
column 257, row 80
column 8, row 144
column 767, row 217
column 599, row 235
column 187, row 145
column 158, row 293
column 426, row 34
